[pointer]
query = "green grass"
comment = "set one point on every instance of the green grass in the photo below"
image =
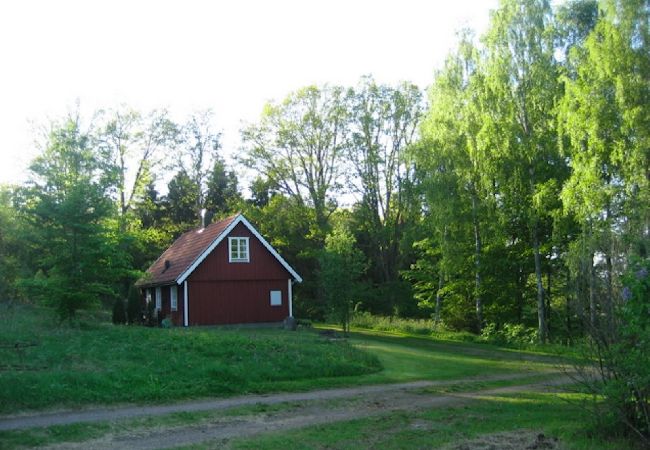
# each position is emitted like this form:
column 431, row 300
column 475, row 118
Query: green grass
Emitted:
column 435, row 428
column 98, row 363
column 427, row 328
column 407, row 358
column 85, row 431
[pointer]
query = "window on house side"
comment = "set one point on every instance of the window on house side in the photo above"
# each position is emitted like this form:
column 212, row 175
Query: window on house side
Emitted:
column 148, row 295
column 158, row 299
column 238, row 249
column 174, row 297
column 276, row 298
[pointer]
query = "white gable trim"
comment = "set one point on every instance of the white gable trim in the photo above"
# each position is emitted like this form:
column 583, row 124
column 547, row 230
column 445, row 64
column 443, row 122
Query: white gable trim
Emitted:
column 240, row 219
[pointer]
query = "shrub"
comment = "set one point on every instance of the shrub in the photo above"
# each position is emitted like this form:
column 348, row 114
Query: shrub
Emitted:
column 119, row 313
column 621, row 374
column 134, row 306
column 515, row 335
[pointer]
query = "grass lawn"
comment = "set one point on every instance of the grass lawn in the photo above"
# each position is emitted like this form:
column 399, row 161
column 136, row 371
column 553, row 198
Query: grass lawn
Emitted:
column 98, row 363
column 557, row 416
column 407, row 357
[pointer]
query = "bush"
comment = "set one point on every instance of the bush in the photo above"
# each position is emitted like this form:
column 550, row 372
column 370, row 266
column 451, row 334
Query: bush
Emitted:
column 119, row 313
column 134, row 307
column 424, row 327
column 621, row 374
column 514, row 335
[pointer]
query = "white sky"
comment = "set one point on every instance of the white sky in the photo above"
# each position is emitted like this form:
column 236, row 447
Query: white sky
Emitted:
column 231, row 56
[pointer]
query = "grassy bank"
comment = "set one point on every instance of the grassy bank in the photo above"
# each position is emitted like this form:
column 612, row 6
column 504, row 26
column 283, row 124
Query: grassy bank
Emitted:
column 94, row 362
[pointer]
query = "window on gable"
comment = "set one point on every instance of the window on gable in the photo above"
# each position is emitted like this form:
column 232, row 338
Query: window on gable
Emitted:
column 174, row 297
column 238, row 249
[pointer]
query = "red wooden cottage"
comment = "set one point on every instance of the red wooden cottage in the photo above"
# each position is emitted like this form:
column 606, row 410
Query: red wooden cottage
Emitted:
column 225, row 273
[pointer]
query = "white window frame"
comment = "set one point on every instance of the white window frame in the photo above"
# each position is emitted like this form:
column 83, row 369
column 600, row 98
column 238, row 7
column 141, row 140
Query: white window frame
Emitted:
column 173, row 296
column 148, row 295
column 158, row 298
column 276, row 298
column 239, row 258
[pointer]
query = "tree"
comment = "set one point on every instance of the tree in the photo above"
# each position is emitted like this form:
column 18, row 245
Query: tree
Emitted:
column 10, row 245
column 69, row 207
column 199, row 159
column 383, row 124
column 518, row 124
column 454, row 162
column 341, row 266
column 134, row 145
column 222, row 190
column 298, row 145
column 182, row 200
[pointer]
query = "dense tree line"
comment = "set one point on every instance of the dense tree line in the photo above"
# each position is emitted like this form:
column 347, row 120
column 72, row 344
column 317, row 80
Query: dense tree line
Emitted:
column 516, row 196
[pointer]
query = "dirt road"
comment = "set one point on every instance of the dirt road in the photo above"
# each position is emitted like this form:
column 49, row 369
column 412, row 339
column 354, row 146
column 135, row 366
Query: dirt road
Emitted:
column 303, row 409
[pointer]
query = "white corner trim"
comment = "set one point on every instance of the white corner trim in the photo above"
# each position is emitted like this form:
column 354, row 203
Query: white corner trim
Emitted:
column 290, row 297
column 240, row 219
column 185, row 302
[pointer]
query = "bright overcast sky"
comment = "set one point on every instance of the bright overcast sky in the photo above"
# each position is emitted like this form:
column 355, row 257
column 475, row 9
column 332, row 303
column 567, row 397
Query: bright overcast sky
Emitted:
column 230, row 56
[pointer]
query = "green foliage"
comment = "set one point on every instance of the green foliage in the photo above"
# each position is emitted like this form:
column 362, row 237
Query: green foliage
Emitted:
column 623, row 375
column 383, row 123
column 119, row 316
column 511, row 335
column 298, row 145
column 222, row 191
column 341, row 265
column 182, row 201
column 10, row 246
column 134, row 306
column 68, row 208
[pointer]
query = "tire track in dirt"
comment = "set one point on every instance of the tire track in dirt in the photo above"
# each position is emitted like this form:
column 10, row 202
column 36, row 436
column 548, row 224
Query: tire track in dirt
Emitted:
column 364, row 403
column 47, row 419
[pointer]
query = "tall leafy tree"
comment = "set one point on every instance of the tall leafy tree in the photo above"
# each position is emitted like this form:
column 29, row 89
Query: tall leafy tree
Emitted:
column 69, row 206
column 10, row 245
column 199, row 158
column 383, row 124
column 454, row 160
column 341, row 266
column 182, row 200
column 222, row 188
column 136, row 145
column 518, row 124
column 297, row 145
column 605, row 117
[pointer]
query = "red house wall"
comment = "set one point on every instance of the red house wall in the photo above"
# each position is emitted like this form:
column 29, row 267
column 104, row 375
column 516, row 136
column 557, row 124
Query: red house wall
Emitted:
column 221, row 292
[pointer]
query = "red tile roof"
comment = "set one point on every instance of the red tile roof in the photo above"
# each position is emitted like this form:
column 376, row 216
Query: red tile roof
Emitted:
column 182, row 253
